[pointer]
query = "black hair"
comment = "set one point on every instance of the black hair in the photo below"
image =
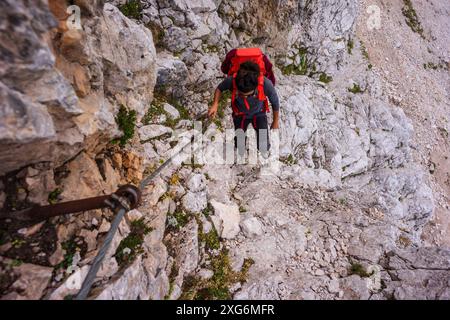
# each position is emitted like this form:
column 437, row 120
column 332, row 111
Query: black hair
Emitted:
column 247, row 76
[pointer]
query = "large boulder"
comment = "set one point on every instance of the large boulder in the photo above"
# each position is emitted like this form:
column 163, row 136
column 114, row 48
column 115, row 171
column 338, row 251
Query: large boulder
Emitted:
column 61, row 96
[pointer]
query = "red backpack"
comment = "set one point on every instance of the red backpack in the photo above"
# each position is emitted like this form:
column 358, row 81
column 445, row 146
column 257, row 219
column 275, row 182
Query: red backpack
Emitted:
column 242, row 55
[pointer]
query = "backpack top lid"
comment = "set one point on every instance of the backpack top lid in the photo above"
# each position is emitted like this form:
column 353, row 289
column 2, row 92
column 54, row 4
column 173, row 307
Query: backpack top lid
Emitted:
column 244, row 55
column 248, row 52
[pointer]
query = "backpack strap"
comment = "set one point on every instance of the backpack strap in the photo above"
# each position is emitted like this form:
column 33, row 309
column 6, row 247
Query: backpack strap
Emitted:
column 236, row 111
column 262, row 95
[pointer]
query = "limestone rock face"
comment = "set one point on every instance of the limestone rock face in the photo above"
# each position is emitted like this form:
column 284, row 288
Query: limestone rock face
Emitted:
column 32, row 281
column 226, row 219
column 55, row 105
column 341, row 213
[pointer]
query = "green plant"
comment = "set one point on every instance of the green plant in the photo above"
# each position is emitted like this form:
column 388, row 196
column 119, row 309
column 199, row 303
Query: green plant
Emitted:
column 325, row 78
column 358, row 269
column 305, row 65
column 16, row 263
column 216, row 288
column 289, row 160
column 53, row 197
column 411, row 18
column 126, row 120
column 178, row 219
column 155, row 109
column 131, row 246
column 211, row 239
column 70, row 248
column 355, row 89
column 350, row 46
column 17, row 243
column 364, row 52
column 207, row 211
column 131, row 9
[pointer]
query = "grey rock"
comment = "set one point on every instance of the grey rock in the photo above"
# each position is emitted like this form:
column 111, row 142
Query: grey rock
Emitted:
column 194, row 202
column 226, row 219
column 252, row 227
column 152, row 131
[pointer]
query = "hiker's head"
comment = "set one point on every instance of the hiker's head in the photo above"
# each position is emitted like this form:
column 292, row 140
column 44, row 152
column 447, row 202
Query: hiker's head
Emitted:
column 247, row 77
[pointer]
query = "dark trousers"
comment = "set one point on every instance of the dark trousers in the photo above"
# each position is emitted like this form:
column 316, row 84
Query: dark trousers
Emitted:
column 259, row 123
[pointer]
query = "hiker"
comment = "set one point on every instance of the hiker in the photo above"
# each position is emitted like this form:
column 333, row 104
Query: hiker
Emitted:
column 250, row 92
column 226, row 65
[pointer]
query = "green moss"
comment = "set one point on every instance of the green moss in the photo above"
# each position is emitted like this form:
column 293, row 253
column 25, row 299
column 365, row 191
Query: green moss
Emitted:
column 16, row 263
column 126, row 120
column 211, row 239
column 138, row 230
column 178, row 219
column 18, row 243
column 156, row 109
column 358, row 269
column 131, row 9
column 434, row 66
column 53, row 197
column 355, row 89
column 70, row 248
column 208, row 210
column 216, row 288
column 289, row 160
column 172, row 277
column 350, row 45
column 325, row 78
column 306, row 67
column 411, row 18
column 364, row 52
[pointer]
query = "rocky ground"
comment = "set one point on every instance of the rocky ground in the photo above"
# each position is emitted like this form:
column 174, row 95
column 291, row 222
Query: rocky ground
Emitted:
column 356, row 207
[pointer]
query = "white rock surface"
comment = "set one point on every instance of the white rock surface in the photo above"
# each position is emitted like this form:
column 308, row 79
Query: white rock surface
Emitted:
column 252, row 227
column 152, row 131
column 226, row 219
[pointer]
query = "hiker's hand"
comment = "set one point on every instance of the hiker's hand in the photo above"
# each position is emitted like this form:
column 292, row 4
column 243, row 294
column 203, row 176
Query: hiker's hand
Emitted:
column 276, row 117
column 212, row 111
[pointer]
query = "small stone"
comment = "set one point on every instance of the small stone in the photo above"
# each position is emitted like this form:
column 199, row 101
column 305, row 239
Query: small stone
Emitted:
column 152, row 131
column 32, row 281
column 205, row 274
column 197, row 182
column 90, row 237
column 27, row 232
column 226, row 219
column 194, row 202
column 134, row 215
column 171, row 111
column 117, row 160
column 57, row 256
column 251, row 227
column 105, row 226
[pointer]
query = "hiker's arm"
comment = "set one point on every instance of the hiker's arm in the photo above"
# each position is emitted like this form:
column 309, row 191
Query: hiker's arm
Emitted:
column 275, row 123
column 226, row 84
column 215, row 105
column 272, row 95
